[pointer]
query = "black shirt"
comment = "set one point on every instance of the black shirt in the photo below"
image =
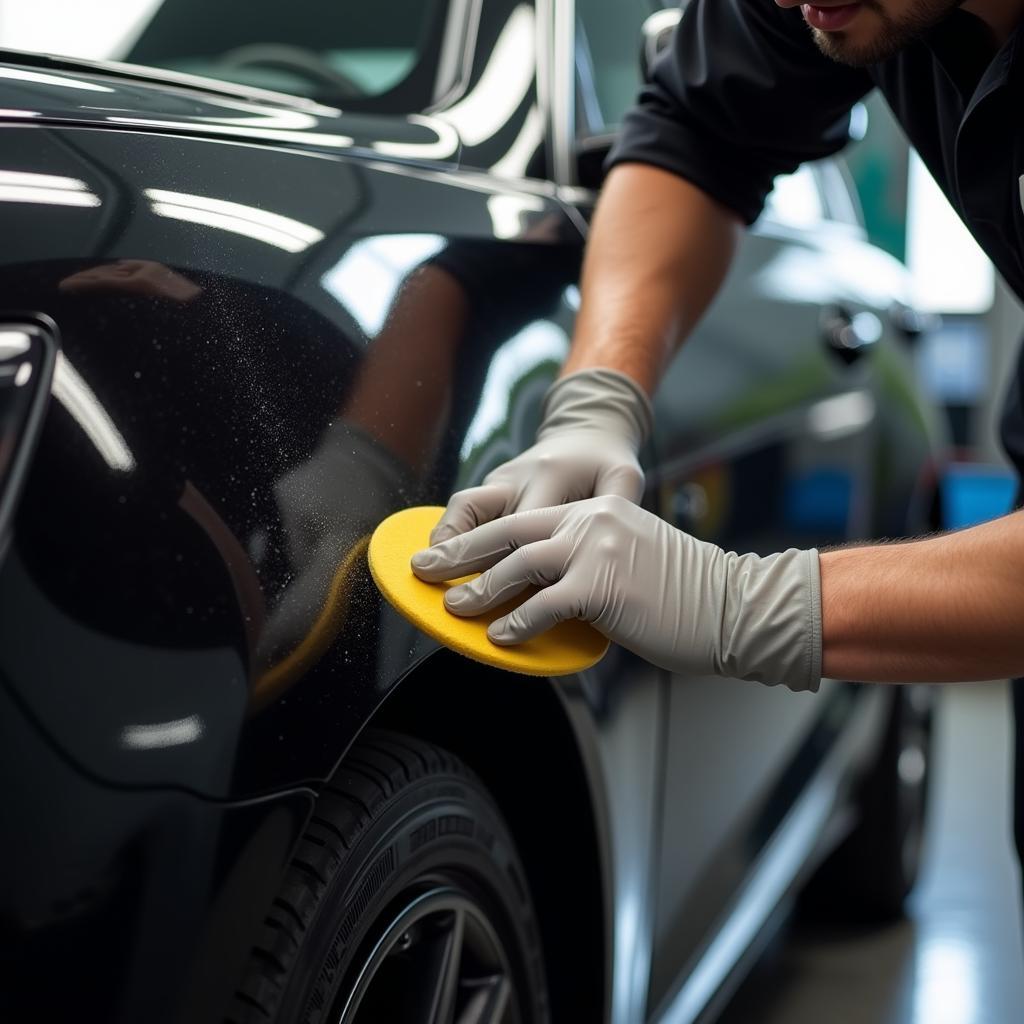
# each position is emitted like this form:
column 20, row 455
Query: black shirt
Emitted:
column 744, row 94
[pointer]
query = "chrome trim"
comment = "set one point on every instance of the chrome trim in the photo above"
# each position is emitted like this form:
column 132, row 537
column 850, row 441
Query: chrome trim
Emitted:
column 563, row 85
column 28, row 353
column 545, row 50
column 455, row 62
column 589, row 117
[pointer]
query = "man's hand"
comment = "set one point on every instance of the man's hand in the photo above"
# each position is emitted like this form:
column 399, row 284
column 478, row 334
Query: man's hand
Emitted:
column 593, row 425
column 135, row 277
column 681, row 603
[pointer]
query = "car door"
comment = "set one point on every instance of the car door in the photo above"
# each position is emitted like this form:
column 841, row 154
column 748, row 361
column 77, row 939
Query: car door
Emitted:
column 765, row 436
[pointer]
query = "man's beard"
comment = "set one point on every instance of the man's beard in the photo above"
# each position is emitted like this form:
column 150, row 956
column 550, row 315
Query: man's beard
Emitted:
column 893, row 34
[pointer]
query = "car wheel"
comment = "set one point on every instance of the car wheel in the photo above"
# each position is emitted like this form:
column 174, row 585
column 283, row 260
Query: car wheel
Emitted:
column 869, row 876
column 405, row 901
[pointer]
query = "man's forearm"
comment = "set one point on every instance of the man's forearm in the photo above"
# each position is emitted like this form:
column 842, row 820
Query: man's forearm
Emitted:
column 658, row 251
column 943, row 609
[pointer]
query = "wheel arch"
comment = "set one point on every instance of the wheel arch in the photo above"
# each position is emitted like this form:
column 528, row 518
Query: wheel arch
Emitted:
column 489, row 719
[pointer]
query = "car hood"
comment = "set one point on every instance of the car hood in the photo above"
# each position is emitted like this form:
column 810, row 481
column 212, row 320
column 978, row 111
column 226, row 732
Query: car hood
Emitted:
column 56, row 90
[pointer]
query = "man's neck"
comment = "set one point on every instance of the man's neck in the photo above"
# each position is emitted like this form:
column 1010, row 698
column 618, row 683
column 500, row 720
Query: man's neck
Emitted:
column 1001, row 16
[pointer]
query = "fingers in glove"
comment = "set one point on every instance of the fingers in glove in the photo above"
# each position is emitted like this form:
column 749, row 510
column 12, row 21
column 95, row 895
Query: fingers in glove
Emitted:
column 469, row 508
column 535, row 615
column 486, row 545
column 542, row 493
column 623, row 480
column 538, row 565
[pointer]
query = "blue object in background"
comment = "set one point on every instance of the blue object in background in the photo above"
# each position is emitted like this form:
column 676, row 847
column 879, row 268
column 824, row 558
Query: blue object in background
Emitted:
column 974, row 493
column 819, row 500
column 953, row 361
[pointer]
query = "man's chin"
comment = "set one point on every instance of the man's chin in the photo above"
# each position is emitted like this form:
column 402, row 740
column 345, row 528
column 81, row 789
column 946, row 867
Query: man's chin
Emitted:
column 846, row 48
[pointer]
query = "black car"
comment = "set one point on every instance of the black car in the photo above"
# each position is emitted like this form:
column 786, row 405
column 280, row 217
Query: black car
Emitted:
column 238, row 327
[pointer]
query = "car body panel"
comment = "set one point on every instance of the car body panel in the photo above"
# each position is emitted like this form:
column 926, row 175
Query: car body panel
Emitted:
column 146, row 897
column 277, row 335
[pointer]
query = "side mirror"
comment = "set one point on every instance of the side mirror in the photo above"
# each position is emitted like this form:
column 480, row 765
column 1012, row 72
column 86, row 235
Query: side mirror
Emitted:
column 656, row 33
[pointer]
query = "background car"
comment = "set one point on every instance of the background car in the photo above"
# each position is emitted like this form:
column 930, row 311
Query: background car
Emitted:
column 238, row 328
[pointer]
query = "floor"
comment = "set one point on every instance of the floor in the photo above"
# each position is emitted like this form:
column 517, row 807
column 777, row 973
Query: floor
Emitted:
column 958, row 959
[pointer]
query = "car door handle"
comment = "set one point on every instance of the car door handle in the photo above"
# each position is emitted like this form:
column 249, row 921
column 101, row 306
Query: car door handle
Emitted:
column 851, row 335
column 911, row 324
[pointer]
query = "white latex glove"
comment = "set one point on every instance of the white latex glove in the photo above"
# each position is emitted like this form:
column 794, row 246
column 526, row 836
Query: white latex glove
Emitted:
column 681, row 603
column 593, row 424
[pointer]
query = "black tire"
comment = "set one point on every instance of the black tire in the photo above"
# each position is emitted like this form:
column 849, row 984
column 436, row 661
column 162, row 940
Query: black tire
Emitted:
column 405, row 890
column 867, row 879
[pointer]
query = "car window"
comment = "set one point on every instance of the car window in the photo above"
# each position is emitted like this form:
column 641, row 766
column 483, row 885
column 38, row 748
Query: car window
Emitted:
column 608, row 43
column 392, row 57
column 346, row 53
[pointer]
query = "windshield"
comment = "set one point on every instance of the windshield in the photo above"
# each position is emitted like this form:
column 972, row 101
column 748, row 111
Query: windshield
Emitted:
column 379, row 56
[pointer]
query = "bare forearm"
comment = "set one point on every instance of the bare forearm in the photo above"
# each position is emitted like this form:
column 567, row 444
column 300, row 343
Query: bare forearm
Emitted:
column 658, row 250
column 943, row 609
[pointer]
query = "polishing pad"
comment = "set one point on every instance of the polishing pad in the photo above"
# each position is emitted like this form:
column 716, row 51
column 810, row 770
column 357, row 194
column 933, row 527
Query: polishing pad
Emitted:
column 569, row 647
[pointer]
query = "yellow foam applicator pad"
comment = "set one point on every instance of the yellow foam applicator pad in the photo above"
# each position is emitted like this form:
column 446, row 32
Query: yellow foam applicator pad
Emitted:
column 569, row 647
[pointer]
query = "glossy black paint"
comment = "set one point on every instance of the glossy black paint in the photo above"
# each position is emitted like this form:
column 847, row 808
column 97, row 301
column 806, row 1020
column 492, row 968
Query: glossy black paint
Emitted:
column 215, row 397
column 231, row 278
column 126, row 903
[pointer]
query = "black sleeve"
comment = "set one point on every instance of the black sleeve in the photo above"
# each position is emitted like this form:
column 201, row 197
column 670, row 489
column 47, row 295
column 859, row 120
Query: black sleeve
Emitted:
column 742, row 94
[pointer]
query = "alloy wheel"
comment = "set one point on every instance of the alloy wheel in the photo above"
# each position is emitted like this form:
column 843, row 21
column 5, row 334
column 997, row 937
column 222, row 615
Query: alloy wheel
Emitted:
column 434, row 957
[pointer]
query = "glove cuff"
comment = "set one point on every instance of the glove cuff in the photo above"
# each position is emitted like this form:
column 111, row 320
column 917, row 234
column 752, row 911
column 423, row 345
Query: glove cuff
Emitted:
column 772, row 627
column 598, row 399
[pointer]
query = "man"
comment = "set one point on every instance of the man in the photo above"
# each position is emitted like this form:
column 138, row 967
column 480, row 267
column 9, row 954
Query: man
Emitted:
column 749, row 90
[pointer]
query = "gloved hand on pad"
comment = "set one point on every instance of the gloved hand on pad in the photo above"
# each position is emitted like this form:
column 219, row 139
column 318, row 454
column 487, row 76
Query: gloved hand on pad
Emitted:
column 681, row 603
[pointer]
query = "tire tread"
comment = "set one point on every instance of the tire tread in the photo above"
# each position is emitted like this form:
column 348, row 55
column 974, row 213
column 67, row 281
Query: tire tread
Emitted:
column 378, row 769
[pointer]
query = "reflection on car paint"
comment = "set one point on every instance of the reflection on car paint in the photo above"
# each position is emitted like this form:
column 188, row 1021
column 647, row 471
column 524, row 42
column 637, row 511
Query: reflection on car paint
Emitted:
column 505, row 81
column 321, row 376
column 272, row 228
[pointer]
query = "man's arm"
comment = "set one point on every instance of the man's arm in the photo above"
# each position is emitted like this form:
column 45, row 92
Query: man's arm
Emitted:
column 693, row 162
column 947, row 608
column 658, row 251
column 943, row 609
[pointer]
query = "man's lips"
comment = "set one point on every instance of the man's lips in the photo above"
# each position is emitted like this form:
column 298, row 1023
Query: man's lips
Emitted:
column 830, row 18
